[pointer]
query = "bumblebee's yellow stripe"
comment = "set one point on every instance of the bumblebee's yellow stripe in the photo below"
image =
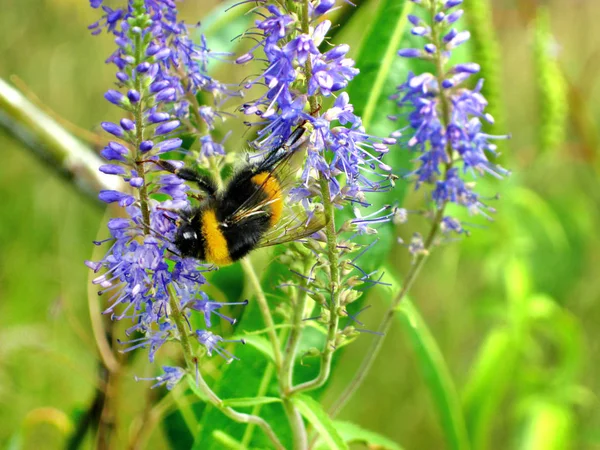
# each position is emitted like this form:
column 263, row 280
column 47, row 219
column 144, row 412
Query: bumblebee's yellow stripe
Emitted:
column 272, row 188
column 216, row 248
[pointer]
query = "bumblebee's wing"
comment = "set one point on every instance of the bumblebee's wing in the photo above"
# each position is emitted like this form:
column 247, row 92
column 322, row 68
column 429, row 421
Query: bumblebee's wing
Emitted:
column 278, row 180
column 280, row 167
column 293, row 227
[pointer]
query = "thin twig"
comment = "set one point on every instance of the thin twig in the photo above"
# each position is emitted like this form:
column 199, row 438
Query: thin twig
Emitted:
column 264, row 310
column 52, row 143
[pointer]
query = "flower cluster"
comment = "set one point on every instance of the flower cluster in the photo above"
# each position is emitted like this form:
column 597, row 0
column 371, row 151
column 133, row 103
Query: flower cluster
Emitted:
column 159, row 71
column 445, row 117
column 303, row 81
column 297, row 69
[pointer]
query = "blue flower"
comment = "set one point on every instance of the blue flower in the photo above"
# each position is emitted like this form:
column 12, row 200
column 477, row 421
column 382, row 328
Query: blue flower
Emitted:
column 170, row 377
column 141, row 266
column 445, row 120
column 339, row 144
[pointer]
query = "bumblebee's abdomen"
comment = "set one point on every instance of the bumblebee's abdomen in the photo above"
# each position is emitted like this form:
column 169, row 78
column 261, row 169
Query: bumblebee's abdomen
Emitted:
column 272, row 189
column 216, row 249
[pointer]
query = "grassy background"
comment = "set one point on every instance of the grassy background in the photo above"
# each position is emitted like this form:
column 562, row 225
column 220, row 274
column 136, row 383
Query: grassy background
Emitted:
column 543, row 244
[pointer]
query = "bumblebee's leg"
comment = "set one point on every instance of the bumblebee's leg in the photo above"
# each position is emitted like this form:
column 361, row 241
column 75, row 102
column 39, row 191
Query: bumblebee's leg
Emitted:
column 206, row 184
column 280, row 152
column 294, row 137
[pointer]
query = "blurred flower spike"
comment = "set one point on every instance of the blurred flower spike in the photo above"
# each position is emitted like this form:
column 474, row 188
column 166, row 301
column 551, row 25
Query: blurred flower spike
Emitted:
column 445, row 117
column 159, row 72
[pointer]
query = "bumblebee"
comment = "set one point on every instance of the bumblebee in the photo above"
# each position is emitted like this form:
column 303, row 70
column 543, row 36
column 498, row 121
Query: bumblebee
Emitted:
column 249, row 212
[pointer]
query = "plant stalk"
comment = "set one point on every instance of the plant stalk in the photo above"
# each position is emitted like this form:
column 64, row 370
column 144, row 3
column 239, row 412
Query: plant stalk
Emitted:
column 420, row 260
column 191, row 363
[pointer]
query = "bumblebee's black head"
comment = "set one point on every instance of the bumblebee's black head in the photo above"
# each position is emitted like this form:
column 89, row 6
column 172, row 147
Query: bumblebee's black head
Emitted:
column 189, row 241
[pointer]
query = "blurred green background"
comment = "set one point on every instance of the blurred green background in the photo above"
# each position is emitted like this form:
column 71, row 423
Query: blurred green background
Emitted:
column 514, row 308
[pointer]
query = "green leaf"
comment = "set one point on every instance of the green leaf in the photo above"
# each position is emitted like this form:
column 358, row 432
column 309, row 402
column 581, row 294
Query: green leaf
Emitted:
column 318, row 418
column 489, row 380
column 260, row 343
column 243, row 379
column 176, row 431
column 436, row 374
column 541, row 212
column 376, row 57
column 223, row 23
column 227, row 441
column 249, row 401
column 353, row 434
column 550, row 426
column 381, row 70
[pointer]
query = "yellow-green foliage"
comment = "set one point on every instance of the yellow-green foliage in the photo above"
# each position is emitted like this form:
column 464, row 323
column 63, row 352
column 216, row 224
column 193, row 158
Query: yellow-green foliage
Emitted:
column 551, row 84
column 486, row 53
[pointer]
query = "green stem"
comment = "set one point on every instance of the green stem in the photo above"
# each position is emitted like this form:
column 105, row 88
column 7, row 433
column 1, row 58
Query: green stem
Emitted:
column 419, row 261
column 262, row 390
column 139, row 137
column 264, row 310
column 332, row 250
column 385, row 324
column 296, row 424
column 286, row 373
column 334, row 269
column 192, row 362
column 294, row 417
column 291, row 347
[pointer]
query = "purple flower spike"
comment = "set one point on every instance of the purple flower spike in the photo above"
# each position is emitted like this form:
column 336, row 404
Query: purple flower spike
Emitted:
column 167, row 127
column 158, row 68
column 419, row 31
column 136, row 182
column 122, row 77
column 452, row 3
column 163, row 53
column 116, row 196
column 112, row 128
column 467, row 68
column 133, row 96
column 115, row 97
column 430, row 48
column 168, row 145
column 127, row 124
column 447, row 148
column 455, row 16
column 152, row 49
column 146, row 146
column 170, row 377
column 410, row 53
column 166, row 95
column 459, row 39
column 158, row 117
column 112, row 169
column 450, row 35
column 415, row 20
column 143, row 67
column 324, row 6
column 159, row 86
column 244, row 58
